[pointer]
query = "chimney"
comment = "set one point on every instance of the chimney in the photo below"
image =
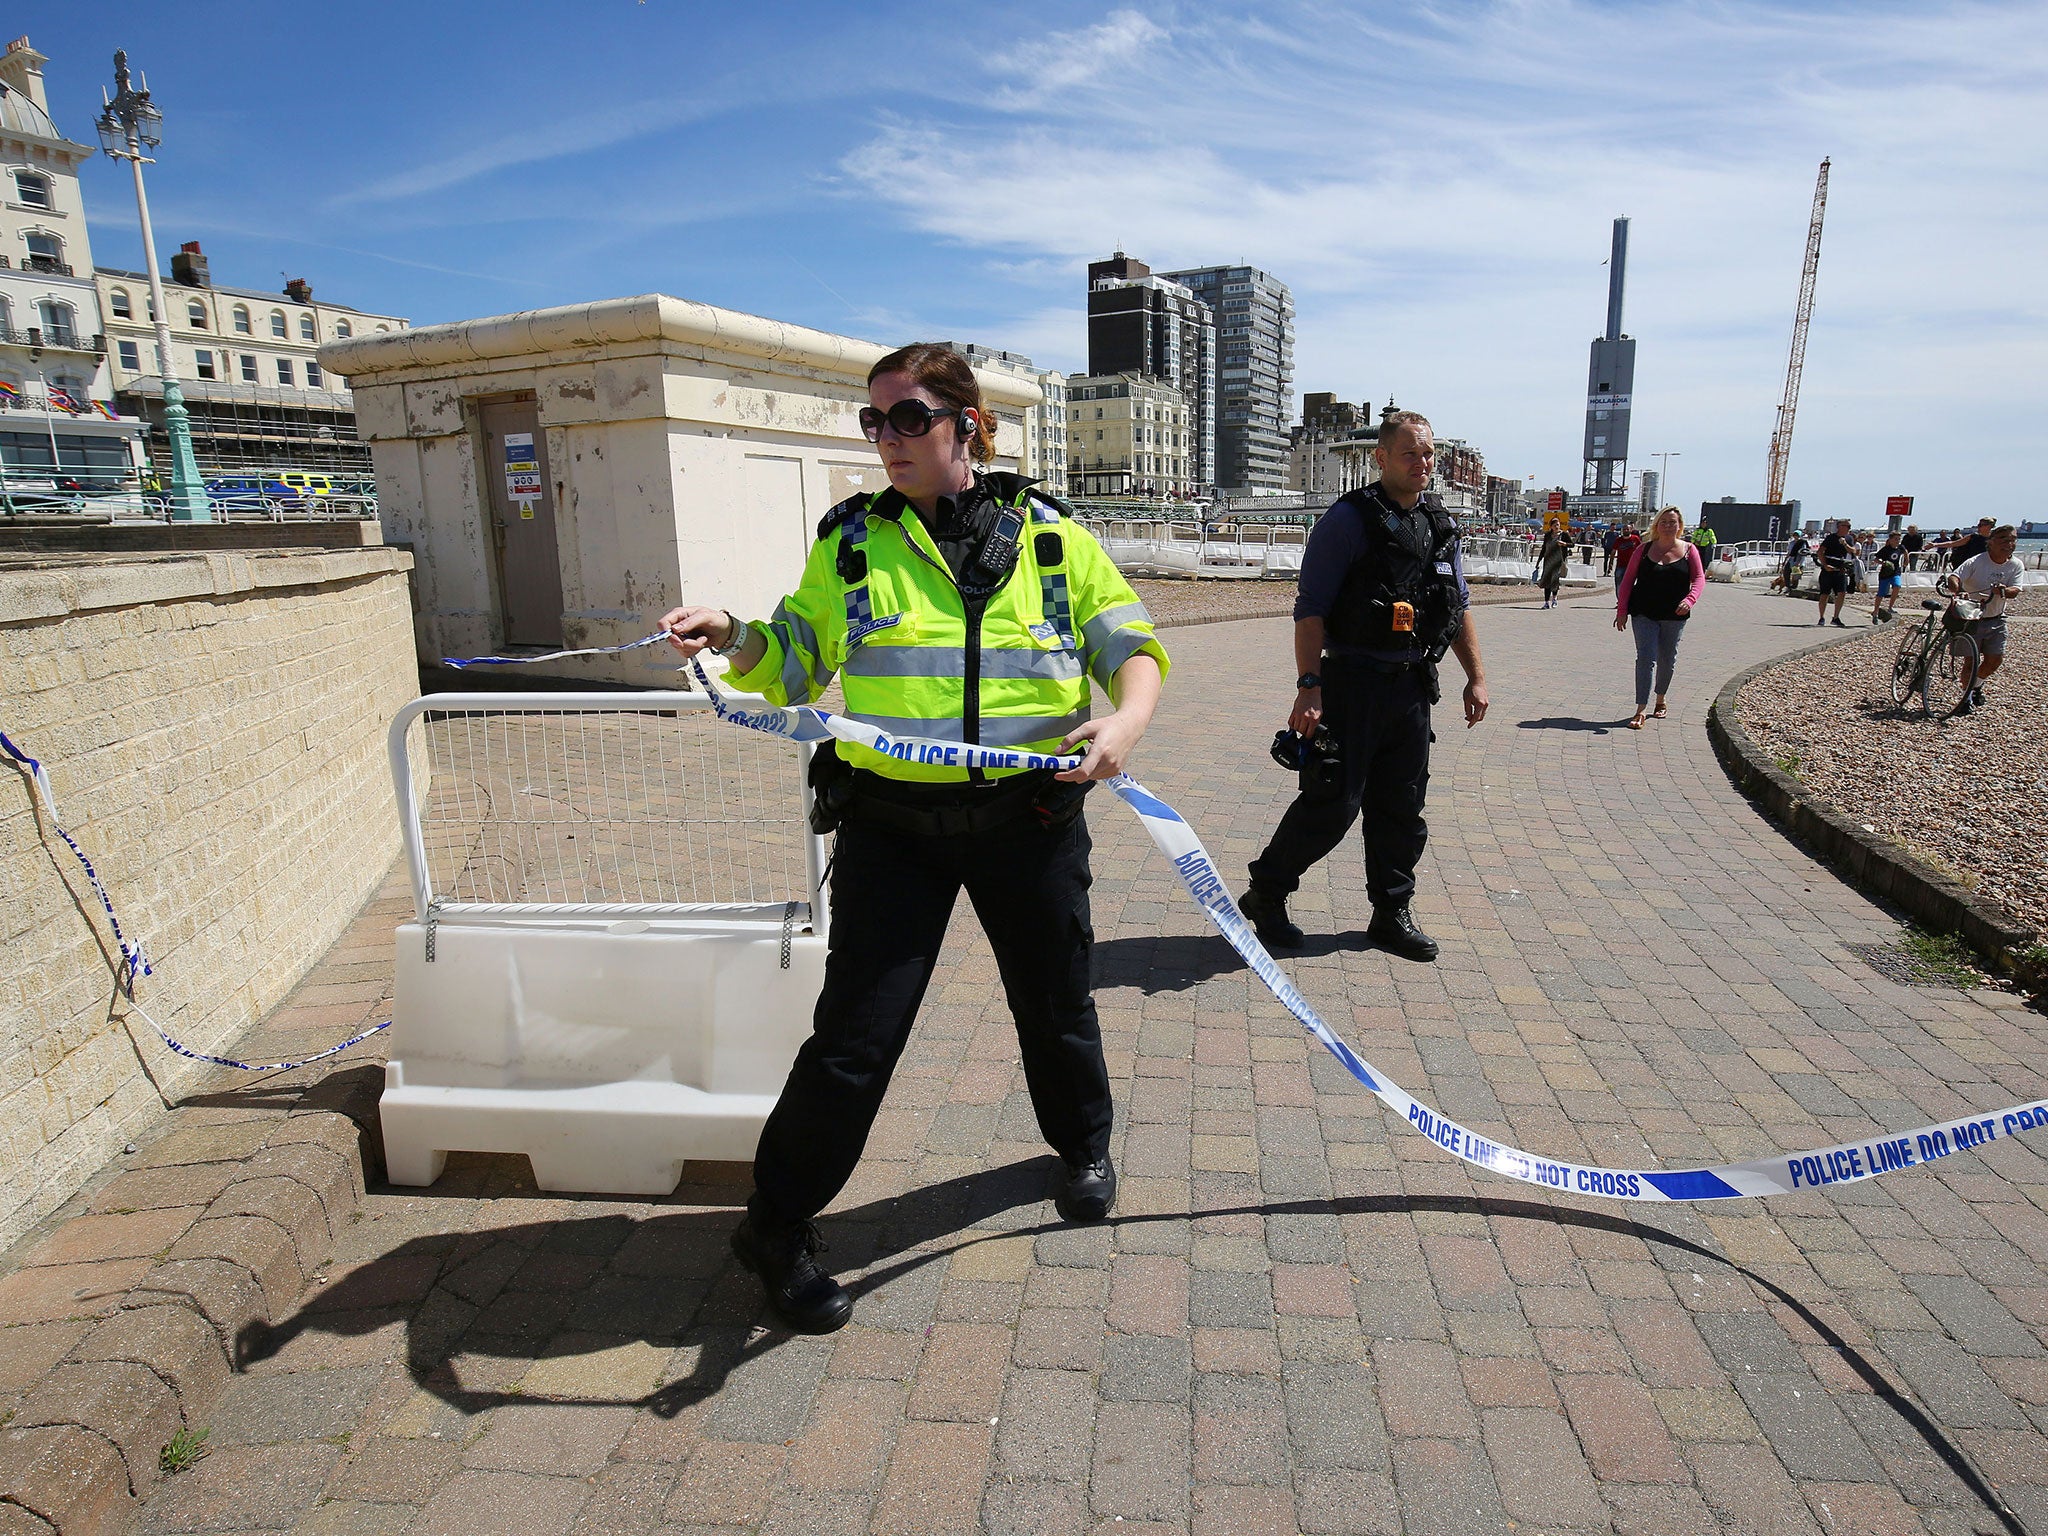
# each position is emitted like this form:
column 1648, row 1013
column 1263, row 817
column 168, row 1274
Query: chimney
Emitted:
column 189, row 266
column 21, row 69
column 298, row 290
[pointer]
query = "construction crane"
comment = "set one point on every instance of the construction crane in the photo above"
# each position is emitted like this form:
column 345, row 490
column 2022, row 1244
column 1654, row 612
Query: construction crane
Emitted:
column 1781, row 440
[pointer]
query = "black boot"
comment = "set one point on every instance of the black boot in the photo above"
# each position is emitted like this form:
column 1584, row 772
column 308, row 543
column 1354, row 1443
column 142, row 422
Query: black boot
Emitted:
column 802, row 1294
column 1268, row 913
column 1394, row 928
column 1087, row 1191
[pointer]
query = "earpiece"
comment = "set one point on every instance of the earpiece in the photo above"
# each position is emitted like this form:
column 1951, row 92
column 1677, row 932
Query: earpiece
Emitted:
column 969, row 422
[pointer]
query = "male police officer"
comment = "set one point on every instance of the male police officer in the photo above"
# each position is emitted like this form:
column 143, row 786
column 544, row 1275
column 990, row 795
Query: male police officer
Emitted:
column 1382, row 597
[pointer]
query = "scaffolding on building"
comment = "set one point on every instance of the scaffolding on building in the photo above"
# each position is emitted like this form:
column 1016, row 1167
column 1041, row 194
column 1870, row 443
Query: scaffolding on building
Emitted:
column 240, row 428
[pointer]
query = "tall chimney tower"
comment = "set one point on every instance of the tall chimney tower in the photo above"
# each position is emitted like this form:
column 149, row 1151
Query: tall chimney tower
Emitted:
column 1610, row 381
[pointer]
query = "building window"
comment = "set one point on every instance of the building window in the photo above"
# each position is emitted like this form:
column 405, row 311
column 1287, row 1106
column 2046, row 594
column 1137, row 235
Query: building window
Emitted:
column 307, row 330
column 58, row 330
column 195, row 315
column 242, row 325
column 123, row 310
column 248, row 368
column 202, row 363
column 277, row 325
column 284, row 371
column 131, row 356
column 343, row 328
column 313, row 376
column 32, row 190
column 45, row 252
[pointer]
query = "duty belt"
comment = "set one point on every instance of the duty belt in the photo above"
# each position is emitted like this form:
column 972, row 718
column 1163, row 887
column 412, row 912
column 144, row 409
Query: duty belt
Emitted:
column 942, row 810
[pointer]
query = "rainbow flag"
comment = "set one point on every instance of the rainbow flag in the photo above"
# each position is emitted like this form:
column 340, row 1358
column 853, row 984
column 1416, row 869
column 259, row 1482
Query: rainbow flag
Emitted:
column 10, row 394
column 106, row 411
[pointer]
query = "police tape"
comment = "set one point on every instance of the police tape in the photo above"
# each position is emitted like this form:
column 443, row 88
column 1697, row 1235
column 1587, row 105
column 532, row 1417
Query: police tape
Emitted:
column 1845, row 1163
column 461, row 663
column 134, row 963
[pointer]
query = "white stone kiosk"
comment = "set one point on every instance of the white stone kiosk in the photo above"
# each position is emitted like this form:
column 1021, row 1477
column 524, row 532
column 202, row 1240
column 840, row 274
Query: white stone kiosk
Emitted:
column 562, row 477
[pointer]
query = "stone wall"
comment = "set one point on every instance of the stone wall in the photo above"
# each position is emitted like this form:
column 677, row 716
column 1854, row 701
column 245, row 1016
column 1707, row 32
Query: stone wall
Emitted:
column 213, row 727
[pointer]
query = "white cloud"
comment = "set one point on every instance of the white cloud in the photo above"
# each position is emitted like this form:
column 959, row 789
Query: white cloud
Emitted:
column 1437, row 189
column 1068, row 59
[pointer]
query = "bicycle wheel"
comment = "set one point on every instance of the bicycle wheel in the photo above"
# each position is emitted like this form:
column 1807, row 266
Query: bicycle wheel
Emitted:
column 1906, row 665
column 1954, row 658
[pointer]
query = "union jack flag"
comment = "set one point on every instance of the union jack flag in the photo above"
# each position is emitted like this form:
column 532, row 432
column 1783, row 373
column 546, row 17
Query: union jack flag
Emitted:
column 64, row 400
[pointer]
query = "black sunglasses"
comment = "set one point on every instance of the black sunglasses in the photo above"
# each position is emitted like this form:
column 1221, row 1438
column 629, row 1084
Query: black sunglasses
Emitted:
column 910, row 418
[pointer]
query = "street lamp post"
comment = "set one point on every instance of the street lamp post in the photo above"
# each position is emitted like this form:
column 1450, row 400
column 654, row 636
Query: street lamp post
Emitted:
column 1664, row 476
column 131, row 123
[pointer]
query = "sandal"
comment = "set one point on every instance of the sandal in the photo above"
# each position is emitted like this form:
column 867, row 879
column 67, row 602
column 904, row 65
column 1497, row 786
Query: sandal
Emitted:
column 1657, row 714
column 1636, row 724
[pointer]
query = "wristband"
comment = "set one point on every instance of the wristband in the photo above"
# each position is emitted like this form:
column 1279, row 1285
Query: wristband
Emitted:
column 736, row 641
column 1309, row 680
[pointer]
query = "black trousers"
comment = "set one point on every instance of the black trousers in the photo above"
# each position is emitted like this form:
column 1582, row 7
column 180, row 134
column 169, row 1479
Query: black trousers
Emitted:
column 892, row 895
column 1381, row 722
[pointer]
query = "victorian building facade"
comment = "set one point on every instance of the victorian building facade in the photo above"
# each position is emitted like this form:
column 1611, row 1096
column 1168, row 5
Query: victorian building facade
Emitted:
column 57, row 419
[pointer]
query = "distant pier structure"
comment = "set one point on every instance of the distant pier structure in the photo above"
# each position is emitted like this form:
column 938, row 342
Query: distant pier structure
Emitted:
column 1610, row 382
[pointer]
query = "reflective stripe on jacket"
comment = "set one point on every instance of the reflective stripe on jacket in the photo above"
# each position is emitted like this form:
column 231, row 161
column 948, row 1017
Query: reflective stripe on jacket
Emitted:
column 898, row 640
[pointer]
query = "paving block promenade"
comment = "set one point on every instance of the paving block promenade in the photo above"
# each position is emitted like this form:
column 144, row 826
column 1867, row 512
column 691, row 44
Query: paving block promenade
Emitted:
column 1303, row 1317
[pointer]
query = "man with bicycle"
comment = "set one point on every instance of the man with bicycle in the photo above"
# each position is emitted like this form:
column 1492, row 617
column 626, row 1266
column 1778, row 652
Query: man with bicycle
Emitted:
column 1991, row 580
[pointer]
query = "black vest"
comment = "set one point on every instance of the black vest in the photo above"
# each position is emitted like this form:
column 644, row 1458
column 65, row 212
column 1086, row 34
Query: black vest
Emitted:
column 1407, row 559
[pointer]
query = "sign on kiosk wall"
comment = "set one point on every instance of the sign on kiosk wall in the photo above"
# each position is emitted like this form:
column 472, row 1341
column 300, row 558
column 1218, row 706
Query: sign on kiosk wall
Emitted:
column 522, row 472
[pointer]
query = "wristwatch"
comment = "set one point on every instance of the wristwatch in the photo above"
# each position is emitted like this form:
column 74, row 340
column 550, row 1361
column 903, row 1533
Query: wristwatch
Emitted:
column 1309, row 680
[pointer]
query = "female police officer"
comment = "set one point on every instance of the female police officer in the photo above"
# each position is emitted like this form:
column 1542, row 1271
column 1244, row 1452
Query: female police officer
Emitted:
column 955, row 605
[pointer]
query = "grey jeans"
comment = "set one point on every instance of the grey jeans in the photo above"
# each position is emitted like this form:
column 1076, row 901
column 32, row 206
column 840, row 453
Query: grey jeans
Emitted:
column 1656, row 650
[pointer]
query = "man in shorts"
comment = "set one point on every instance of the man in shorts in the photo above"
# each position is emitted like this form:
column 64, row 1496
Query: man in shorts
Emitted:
column 1833, row 555
column 1889, row 557
column 1990, row 580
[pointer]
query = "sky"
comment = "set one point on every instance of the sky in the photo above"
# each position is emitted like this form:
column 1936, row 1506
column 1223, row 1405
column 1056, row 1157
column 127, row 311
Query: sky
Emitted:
column 1436, row 183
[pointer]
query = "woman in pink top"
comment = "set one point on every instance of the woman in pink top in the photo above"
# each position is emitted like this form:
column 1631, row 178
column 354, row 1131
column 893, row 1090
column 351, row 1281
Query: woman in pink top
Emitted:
column 1655, row 596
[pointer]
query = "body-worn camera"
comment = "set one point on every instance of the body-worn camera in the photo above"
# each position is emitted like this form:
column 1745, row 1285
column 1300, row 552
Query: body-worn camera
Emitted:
column 1316, row 756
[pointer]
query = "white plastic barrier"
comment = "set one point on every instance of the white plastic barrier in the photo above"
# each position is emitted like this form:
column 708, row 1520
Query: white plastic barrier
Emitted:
column 1283, row 555
column 618, row 942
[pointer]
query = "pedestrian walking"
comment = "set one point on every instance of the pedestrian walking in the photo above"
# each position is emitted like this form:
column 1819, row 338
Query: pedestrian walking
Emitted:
column 1658, row 592
column 961, row 605
column 1550, row 565
column 1607, row 550
column 1625, row 546
column 1889, row 557
column 1835, row 556
column 1382, row 597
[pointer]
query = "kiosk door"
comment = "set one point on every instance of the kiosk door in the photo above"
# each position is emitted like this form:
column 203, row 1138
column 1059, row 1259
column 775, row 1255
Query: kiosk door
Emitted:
column 522, row 503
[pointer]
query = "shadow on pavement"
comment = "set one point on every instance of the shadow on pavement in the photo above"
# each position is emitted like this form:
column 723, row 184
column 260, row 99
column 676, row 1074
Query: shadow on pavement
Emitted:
column 671, row 1281
column 1175, row 963
column 1571, row 723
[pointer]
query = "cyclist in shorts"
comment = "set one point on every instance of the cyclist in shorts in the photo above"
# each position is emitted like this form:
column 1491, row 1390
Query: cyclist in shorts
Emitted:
column 1991, row 580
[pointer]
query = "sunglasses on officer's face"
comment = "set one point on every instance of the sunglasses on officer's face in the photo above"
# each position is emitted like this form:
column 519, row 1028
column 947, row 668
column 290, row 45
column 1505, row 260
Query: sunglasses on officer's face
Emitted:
column 909, row 418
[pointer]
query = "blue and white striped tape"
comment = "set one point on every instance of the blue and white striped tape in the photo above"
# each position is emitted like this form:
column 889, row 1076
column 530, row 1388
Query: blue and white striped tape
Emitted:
column 464, row 662
column 1845, row 1163
column 134, row 964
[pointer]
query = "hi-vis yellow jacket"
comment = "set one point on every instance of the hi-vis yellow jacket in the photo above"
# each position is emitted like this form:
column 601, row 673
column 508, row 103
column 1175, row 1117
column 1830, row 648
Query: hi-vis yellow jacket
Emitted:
column 878, row 606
